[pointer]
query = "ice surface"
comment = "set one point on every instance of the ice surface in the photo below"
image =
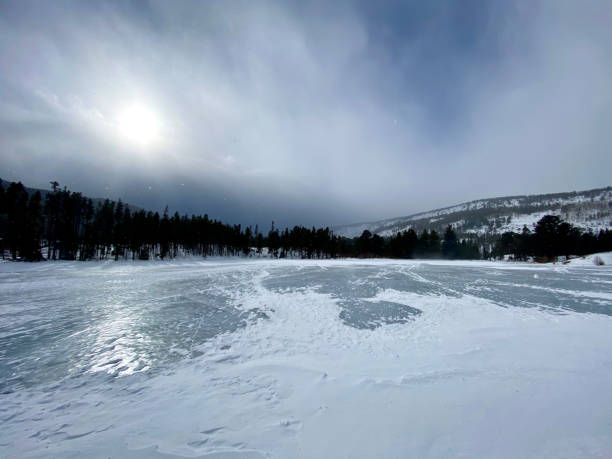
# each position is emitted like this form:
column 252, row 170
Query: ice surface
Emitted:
column 286, row 359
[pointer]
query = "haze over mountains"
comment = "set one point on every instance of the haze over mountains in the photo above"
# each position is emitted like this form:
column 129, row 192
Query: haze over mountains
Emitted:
column 589, row 209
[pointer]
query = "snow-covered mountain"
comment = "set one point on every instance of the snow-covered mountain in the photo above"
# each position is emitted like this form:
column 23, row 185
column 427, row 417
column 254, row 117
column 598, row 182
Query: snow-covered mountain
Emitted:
column 591, row 209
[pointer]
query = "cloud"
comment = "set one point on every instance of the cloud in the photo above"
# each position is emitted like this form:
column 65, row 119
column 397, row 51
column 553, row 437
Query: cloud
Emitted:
column 308, row 112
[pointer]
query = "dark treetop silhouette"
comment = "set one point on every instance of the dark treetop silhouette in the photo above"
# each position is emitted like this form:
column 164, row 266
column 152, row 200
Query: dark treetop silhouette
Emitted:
column 70, row 227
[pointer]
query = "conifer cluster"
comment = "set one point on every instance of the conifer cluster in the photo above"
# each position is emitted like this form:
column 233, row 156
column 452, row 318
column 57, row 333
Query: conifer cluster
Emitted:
column 68, row 226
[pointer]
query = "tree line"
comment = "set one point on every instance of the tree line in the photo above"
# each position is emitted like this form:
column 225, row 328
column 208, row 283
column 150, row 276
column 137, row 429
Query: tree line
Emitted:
column 409, row 244
column 551, row 238
column 69, row 226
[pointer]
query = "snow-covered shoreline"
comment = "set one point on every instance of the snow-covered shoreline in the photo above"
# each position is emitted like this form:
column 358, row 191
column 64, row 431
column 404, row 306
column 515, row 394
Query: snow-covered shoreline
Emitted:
column 210, row 260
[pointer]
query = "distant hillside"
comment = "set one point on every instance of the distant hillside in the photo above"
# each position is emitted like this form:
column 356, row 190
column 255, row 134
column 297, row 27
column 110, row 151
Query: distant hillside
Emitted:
column 591, row 209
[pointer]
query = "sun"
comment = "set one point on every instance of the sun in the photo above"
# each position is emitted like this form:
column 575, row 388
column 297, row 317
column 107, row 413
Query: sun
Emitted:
column 139, row 125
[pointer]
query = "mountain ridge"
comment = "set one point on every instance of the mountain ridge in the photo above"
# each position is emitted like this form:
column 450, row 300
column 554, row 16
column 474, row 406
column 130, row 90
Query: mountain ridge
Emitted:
column 589, row 209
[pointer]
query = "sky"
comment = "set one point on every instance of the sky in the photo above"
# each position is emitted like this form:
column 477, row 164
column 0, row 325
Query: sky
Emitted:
column 313, row 113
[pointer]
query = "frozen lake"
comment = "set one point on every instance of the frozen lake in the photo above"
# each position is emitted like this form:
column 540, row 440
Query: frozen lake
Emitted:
column 305, row 359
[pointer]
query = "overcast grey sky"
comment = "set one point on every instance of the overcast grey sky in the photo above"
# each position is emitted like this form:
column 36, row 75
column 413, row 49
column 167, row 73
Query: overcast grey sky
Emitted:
column 306, row 112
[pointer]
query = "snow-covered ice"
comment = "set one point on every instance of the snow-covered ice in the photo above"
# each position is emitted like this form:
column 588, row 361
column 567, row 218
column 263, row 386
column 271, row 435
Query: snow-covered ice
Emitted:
column 305, row 359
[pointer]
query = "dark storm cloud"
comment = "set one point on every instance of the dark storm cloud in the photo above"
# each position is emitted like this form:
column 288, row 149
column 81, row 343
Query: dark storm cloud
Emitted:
column 303, row 112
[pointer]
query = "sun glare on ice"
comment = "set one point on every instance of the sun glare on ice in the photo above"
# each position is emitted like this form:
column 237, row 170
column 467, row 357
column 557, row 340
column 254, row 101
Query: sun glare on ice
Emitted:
column 139, row 125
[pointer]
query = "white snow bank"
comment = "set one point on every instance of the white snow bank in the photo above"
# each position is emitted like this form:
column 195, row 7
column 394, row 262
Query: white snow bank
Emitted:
column 589, row 260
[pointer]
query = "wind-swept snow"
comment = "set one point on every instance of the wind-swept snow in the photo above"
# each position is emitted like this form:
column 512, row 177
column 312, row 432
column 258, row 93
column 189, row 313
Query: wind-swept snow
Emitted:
column 290, row 359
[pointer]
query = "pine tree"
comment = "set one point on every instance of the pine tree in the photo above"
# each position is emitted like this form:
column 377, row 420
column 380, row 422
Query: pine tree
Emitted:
column 3, row 222
column 30, row 249
column 450, row 245
column 164, row 235
column 434, row 243
column 16, row 211
column 547, row 236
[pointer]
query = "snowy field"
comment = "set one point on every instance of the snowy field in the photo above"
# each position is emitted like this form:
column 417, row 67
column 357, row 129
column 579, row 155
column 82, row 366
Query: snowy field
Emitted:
column 305, row 359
